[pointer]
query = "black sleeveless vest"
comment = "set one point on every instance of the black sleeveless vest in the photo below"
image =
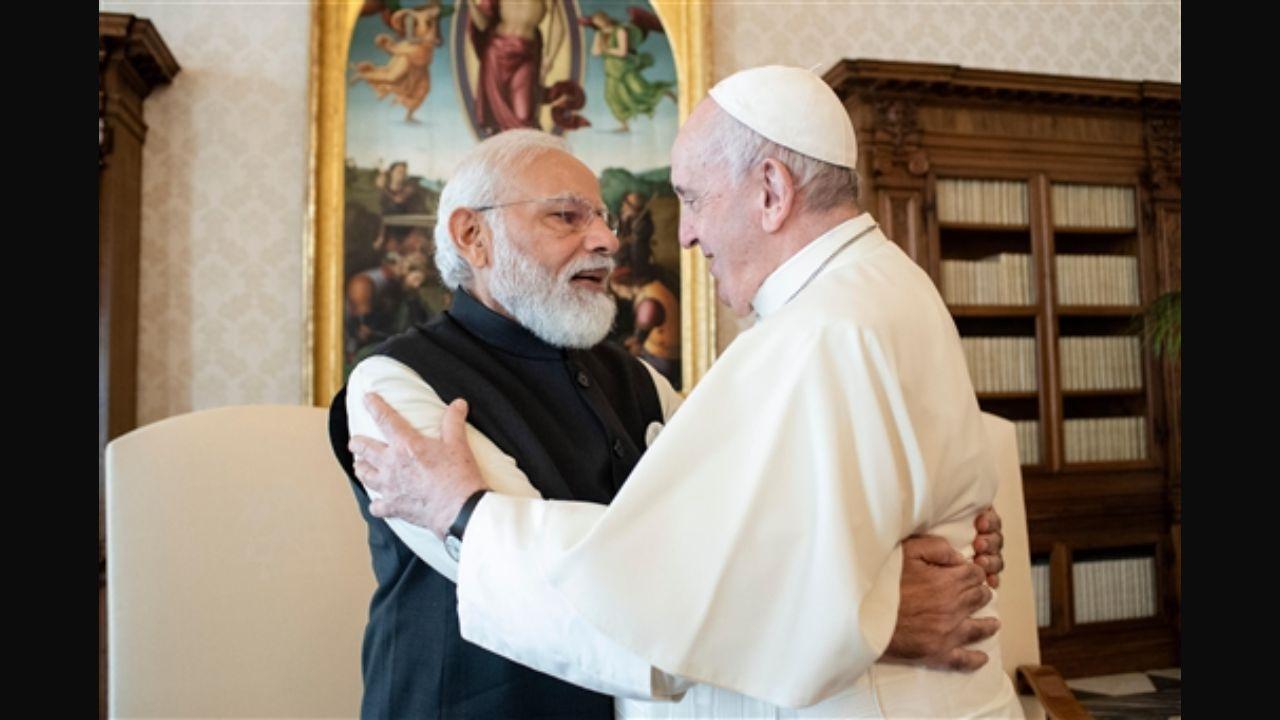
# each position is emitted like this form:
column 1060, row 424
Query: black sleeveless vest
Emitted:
column 574, row 421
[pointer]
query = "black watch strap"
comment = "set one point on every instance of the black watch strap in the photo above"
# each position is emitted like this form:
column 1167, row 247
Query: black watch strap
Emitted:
column 459, row 525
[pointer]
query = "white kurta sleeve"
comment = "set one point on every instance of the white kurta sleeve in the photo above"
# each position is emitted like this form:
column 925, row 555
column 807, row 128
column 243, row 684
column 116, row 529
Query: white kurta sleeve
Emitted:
column 539, row 638
column 410, row 395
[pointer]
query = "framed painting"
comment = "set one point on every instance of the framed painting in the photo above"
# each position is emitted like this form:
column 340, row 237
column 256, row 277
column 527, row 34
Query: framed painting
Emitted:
column 400, row 90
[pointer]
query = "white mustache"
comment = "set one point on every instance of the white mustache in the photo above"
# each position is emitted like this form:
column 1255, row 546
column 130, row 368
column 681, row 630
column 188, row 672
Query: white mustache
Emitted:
column 588, row 264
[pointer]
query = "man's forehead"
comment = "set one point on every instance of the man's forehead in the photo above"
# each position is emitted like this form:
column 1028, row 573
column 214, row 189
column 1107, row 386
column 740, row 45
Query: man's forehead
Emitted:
column 684, row 156
column 688, row 177
column 556, row 174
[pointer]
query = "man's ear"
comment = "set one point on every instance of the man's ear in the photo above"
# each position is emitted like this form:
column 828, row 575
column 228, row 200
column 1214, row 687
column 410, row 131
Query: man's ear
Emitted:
column 778, row 191
column 471, row 236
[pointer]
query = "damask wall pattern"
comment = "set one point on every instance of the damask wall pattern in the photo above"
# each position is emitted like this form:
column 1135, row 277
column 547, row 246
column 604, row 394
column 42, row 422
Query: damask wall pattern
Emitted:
column 1121, row 40
column 222, row 311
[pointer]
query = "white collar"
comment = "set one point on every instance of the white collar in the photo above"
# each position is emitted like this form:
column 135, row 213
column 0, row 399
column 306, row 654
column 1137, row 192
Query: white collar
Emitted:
column 783, row 283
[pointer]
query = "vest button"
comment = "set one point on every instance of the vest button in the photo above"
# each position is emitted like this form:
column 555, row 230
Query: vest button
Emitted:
column 618, row 448
column 583, row 380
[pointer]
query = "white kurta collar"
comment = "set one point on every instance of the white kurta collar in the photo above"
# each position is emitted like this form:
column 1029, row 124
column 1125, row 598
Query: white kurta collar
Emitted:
column 792, row 274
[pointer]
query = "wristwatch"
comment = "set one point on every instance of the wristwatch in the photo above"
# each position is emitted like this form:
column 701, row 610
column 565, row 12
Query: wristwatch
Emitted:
column 453, row 539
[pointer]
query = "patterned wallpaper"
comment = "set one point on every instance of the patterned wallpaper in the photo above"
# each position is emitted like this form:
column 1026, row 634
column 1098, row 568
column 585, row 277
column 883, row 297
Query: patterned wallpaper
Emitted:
column 222, row 312
column 1122, row 40
column 223, row 306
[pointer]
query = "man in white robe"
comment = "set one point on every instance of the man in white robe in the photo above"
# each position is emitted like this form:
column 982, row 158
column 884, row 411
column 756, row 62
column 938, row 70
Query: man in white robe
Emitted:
column 756, row 547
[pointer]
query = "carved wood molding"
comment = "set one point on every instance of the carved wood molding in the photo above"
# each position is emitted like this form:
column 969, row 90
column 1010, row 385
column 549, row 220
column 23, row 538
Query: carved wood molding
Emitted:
column 997, row 86
column 896, row 140
column 130, row 54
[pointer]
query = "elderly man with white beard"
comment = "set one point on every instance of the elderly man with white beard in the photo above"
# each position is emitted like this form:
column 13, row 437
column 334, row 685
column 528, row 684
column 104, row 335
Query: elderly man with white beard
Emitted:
column 525, row 243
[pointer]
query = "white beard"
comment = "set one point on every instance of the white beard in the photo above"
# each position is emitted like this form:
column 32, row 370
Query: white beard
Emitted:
column 550, row 306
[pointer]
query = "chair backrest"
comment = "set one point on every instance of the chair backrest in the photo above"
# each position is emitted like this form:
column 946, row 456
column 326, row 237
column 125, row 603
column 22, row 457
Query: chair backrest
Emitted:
column 238, row 569
column 1019, row 638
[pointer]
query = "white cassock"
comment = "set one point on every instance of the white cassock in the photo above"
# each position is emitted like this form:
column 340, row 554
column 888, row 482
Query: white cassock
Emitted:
column 754, row 550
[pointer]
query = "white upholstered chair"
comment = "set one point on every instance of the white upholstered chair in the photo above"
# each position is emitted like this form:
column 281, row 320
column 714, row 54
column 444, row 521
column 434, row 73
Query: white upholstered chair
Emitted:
column 1041, row 689
column 238, row 570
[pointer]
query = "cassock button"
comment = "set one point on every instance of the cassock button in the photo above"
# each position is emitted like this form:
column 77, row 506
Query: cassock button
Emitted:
column 618, row 448
column 583, row 380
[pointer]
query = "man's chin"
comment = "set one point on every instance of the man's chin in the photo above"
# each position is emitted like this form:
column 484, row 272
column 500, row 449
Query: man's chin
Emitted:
column 570, row 332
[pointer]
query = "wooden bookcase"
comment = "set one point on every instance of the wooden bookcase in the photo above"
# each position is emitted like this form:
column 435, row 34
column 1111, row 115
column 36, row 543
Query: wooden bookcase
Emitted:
column 1068, row 176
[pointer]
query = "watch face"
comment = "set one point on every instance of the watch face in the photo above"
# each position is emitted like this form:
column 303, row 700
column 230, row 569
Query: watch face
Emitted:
column 453, row 546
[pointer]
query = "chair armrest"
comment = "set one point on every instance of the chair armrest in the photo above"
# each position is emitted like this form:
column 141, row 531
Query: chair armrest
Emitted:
column 1051, row 690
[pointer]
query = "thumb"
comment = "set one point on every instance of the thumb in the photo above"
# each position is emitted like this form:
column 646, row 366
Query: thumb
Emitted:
column 453, row 427
column 932, row 549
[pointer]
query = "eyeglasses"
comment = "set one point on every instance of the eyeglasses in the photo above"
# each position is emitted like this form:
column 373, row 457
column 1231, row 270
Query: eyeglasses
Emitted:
column 566, row 214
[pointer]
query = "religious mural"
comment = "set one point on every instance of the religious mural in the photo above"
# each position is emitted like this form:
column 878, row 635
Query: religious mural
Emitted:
column 428, row 80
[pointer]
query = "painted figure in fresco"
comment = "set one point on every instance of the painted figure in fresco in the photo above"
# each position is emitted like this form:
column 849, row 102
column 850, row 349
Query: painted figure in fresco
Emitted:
column 626, row 90
column 391, row 282
column 407, row 74
column 655, row 309
column 513, row 66
column 423, row 293
column 399, row 194
column 374, row 296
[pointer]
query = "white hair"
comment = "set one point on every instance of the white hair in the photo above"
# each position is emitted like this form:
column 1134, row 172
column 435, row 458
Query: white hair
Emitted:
column 481, row 176
column 820, row 185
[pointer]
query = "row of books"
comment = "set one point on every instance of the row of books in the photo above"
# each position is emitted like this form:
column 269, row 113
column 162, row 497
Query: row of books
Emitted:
column 1005, row 279
column 1102, row 590
column 1100, row 363
column 1028, row 433
column 987, row 202
column 1098, row 280
column 1040, row 588
column 1001, row 364
column 1104, row 439
column 1002, row 279
column 1093, row 206
column 1113, row 589
column 1004, row 202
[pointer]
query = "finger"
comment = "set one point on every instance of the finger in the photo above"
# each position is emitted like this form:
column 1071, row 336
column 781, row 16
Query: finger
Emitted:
column 989, row 521
column 393, row 425
column 988, row 543
column 371, row 450
column 974, row 599
column 978, row 629
column 994, row 564
column 365, row 445
column 976, row 575
column 993, row 581
column 962, row 660
column 453, row 426
column 368, row 475
column 967, row 576
column 932, row 549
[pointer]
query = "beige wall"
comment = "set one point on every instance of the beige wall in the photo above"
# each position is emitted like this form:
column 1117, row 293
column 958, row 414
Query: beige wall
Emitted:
column 223, row 293
column 1117, row 40
column 224, row 182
